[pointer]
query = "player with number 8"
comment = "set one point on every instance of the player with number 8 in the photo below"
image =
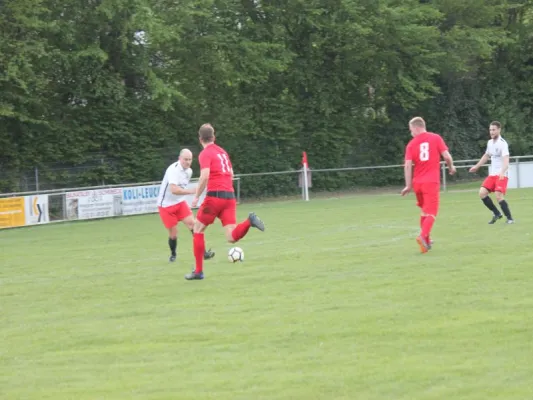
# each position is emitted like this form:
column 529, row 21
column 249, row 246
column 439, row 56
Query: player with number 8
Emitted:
column 423, row 153
column 216, row 173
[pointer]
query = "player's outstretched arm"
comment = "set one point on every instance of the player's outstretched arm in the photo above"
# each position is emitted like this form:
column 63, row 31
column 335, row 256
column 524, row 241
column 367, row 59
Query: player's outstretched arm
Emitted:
column 480, row 163
column 449, row 161
column 179, row 191
column 202, row 183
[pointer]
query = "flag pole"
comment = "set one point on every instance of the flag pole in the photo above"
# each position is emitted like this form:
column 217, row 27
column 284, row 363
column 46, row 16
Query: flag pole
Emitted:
column 306, row 183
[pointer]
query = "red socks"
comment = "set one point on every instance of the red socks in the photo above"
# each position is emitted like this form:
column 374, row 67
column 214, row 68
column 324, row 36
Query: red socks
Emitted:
column 241, row 230
column 199, row 243
column 422, row 219
column 199, row 250
column 427, row 224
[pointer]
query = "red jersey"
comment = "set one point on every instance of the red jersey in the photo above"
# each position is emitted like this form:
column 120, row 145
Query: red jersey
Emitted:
column 425, row 150
column 221, row 171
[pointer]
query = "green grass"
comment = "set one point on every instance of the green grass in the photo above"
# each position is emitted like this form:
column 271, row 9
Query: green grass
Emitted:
column 467, row 185
column 333, row 302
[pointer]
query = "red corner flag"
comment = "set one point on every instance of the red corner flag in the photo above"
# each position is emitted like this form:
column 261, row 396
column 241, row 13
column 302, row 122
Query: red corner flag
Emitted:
column 304, row 160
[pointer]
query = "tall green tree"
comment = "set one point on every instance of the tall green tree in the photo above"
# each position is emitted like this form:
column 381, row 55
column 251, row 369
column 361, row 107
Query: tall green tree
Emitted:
column 123, row 84
column 24, row 61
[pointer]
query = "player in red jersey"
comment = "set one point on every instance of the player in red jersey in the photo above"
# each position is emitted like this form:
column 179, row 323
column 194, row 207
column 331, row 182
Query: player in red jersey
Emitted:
column 216, row 172
column 424, row 152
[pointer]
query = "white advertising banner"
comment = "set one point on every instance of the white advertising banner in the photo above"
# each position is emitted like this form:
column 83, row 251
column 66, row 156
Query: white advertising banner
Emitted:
column 143, row 199
column 139, row 199
column 89, row 204
column 36, row 209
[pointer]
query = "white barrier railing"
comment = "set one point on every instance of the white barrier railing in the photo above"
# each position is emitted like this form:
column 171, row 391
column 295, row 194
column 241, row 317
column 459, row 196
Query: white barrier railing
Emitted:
column 520, row 171
column 39, row 207
column 34, row 208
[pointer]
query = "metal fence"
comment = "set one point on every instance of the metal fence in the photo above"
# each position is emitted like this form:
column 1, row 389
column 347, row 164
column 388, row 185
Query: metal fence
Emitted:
column 289, row 184
column 58, row 208
column 357, row 179
column 98, row 169
column 67, row 204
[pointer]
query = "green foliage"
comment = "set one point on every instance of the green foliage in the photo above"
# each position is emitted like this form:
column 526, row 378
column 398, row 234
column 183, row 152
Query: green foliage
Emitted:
column 339, row 79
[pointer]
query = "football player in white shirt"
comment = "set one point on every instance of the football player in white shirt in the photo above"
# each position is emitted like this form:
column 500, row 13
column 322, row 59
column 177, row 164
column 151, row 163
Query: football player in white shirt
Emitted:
column 172, row 201
column 498, row 151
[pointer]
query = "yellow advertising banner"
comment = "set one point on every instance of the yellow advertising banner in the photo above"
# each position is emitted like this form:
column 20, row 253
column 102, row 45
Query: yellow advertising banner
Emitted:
column 12, row 212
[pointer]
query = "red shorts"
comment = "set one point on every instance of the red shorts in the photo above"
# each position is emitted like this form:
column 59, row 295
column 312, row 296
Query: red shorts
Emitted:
column 171, row 215
column 493, row 183
column 213, row 207
column 427, row 197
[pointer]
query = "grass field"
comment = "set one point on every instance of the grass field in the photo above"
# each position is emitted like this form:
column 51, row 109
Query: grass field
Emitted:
column 333, row 302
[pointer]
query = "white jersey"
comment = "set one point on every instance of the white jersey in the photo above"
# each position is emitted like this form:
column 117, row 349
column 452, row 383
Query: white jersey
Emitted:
column 176, row 175
column 497, row 150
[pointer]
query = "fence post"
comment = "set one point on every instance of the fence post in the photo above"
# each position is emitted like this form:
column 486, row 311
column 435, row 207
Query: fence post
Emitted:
column 301, row 176
column 444, row 177
column 517, row 173
column 238, row 190
column 64, row 198
column 102, row 162
column 36, row 179
column 306, row 183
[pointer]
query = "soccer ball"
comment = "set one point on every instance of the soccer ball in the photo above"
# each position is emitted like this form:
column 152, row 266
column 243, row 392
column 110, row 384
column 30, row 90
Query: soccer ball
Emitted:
column 235, row 254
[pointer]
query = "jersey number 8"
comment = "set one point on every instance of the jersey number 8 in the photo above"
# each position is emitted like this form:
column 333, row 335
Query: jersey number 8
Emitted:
column 424, row 151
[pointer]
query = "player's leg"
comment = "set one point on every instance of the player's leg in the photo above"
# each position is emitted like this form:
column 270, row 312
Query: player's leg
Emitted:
column 427, row 195
column 234, row 232
column 488, row 185
column 430, row 207
column 169, row 221
column 173, row 242
column 423, row 217
column 179, row 211
column 205, row 217
column 499, row 191
column 189, row 222
column 418, row 190
column 228, row 217
column 198, row 249
column 504, row 206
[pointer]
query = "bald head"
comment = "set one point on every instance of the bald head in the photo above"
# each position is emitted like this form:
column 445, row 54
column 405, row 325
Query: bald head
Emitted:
column 186, row 153
column 185, row 158
column 417, row 125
